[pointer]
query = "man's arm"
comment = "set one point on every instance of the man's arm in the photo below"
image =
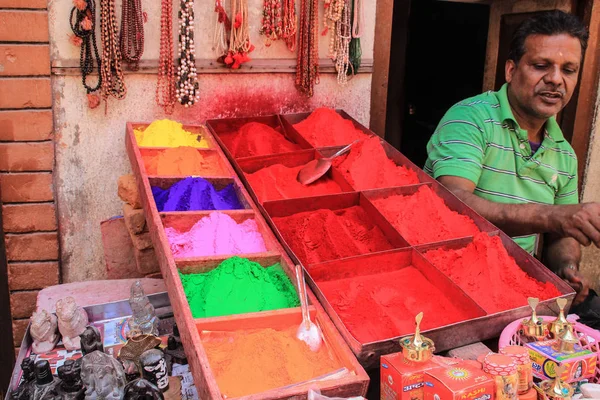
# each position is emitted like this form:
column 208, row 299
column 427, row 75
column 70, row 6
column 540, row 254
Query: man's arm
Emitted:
column 578, row 221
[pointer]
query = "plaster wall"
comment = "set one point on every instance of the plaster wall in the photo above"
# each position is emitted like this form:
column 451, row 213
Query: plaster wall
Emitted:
column 90, row 148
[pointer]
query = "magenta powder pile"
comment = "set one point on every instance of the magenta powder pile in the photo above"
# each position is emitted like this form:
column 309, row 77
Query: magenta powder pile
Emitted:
column 216, row 234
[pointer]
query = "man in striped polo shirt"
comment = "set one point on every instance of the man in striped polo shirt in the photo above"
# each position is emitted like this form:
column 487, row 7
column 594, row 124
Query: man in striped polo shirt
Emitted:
column 504, row 154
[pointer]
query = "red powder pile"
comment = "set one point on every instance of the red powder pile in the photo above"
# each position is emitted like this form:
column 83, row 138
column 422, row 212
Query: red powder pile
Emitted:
column 368, row 167
column 323, row 235
column 256, row 139
column 383, row 306
column 277, row 182
column 485, row 271
column 324, row 127
column 184, row 161
column 423, row 217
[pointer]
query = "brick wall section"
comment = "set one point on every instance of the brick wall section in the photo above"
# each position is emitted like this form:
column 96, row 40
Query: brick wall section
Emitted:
column 27, row 156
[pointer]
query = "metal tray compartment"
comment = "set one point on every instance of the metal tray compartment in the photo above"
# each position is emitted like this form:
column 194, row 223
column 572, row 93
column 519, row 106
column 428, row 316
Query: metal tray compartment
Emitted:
column 284, row 208
column 253, row 164
column 209, row 155
column 183, row 222
column 368, row 353
column 449, row 199
column 222, row 128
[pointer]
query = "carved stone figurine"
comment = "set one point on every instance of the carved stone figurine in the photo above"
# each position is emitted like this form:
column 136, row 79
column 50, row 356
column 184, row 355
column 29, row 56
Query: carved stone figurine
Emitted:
column 45, row 384
column 102, row 376
column 24, row 391
column 154, row 368
column 71, row 387
column 43, row 331
column 141, row 389
column 72, row 321
column 143, row 320
column 91, row 340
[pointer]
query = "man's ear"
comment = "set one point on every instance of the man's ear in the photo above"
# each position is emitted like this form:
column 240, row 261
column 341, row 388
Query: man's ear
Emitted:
column 509, row 70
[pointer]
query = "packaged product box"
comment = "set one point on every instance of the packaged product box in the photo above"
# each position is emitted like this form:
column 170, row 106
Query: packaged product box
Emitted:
column 462, row 381
column 579, row 364
column 403, row 379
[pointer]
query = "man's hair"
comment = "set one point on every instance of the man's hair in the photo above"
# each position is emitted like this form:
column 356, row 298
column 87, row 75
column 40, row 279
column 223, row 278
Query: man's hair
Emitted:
column 553, row 22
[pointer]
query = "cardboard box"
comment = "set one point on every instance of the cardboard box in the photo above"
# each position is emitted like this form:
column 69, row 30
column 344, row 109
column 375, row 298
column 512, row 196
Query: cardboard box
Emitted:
column 462, row 381
column 579, row 365
column 402, row 379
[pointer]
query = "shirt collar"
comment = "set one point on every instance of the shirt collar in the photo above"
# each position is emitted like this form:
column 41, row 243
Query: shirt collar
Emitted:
column 551, row 127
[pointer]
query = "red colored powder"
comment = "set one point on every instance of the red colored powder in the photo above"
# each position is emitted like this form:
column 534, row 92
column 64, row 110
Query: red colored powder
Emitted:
column 254, row 361
column 485, row 271
column 323, row 235
column 277, row 182
column 368, row 167
column 324, row 127
column 384, row 305
column 184, row 161
column 256, row 139
column 423, row 217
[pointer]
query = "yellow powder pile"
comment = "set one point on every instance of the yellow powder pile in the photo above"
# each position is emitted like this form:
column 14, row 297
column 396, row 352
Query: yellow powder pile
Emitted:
column 167, row 133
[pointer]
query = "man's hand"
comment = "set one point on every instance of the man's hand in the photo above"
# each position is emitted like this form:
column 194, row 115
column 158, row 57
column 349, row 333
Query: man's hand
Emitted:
column 577, row 281
column 579, row 221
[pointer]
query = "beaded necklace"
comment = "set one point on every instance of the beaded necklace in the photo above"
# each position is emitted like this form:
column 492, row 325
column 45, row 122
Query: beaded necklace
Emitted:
column 289, row 24
column 187, row 77
column 132, row 32
column 222, row 29
column 165, row 87
column 82, row 20
column 239, row 40
column 333, row 14
column 307, row 65
column 357, row 27
column 112, row 74
column 272, row 22
column 343, row 36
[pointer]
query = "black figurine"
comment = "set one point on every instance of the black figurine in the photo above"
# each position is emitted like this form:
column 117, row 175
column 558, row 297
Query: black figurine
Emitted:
column 141, row 389
column 24, row 391
column 91, row 340
column 71, row 387
column 45, row 385
column 154, row 368
column 174, row 352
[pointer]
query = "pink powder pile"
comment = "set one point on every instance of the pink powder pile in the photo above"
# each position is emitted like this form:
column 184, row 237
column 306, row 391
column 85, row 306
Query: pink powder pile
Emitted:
column 216, row 234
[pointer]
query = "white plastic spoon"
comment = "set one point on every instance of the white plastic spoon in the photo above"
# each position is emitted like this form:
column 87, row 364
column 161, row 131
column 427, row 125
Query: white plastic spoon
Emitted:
column 307, row 332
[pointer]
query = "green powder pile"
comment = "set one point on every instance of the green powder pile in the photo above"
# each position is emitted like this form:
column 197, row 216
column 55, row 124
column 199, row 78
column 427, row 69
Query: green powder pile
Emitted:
column 238, row 286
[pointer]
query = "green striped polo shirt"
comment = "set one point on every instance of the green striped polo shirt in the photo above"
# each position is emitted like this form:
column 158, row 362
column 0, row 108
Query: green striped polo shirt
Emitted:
column 480, row 140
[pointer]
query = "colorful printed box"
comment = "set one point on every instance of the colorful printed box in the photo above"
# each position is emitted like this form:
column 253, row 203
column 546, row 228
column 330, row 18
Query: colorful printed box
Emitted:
column 580, row 365
column 462, row 381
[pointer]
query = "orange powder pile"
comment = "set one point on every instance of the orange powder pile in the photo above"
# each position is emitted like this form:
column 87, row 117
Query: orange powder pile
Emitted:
column 254, row 361
column 368, row 167
column 184, row 161
column 423, row 217
column 324, row 127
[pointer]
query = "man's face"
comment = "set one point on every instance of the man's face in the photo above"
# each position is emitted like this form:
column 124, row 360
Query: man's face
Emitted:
column 543, row 81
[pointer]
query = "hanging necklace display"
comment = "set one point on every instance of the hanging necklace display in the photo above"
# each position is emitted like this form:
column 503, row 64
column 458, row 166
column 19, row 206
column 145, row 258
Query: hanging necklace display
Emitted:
column 307, row 64
column 333, row 13
column 289, row 24
column 111, row 71
column 272, row 21
column 357, row 27
column 83, row 18
column 132, row 33
column 187, row 77
column 343, row 36
column 165, row 87
column 222, row 31
column 239, row 40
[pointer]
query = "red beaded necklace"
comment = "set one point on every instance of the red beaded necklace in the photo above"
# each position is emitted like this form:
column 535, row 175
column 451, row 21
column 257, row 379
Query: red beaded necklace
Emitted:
column 113, row 83
column 289, row 24
column 165, row 87
column 132, row 32
column 307, row 65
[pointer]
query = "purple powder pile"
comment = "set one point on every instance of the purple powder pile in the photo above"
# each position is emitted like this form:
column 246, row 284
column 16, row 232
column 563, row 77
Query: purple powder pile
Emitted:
column 195, row 194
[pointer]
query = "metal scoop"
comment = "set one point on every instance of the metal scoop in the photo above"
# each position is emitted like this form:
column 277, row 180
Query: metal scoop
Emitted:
column 307, row 332
column 317, row 168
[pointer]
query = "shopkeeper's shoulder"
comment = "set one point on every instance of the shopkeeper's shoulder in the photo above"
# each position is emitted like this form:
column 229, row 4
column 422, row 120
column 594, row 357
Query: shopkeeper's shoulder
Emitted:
column 480, row 112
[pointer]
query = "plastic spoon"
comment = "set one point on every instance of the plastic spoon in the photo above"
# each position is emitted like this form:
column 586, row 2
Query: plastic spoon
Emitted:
column 317, row 168
column 307, row 332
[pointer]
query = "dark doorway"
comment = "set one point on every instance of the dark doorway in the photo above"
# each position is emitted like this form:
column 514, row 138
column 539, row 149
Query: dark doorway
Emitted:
column 445, row 56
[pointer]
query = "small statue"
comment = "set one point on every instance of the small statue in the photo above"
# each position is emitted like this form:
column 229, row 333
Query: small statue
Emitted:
column 141, row 389
column 91, row 340
column 174, row 352
column 102, row 376
column 24, row 390
column 130, row 353
column 154, row 368
column 45, row 384
column 71, row 387
column 72, row 321
column 143, row 320
column 43, row 331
